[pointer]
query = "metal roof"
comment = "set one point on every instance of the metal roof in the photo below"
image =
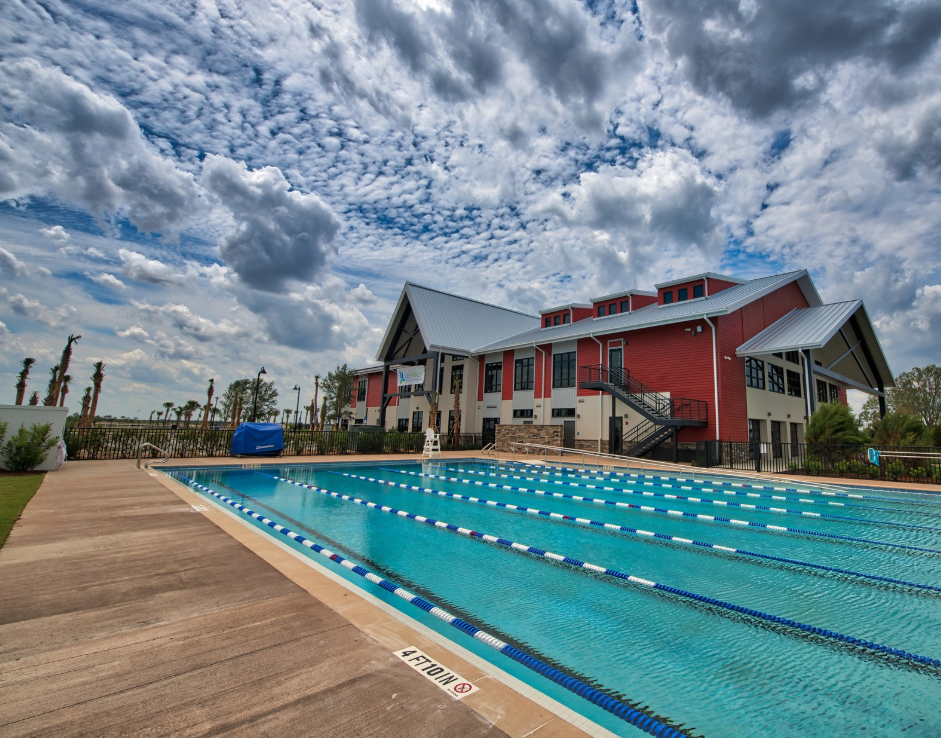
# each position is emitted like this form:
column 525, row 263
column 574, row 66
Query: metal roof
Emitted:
column 704, row 275
column 625, row 293
column 452, row 323
column 802, row 328
column 584, row 305
column 721, row 303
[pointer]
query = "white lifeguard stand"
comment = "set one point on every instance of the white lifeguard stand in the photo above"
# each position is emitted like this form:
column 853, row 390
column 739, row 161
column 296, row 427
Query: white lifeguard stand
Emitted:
column 432, row 444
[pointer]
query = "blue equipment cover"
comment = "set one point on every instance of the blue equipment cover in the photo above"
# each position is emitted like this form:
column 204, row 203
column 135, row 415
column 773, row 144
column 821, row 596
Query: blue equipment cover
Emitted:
column 257, row 439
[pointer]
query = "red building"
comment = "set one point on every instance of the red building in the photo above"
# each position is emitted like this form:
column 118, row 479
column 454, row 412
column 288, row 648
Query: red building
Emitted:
column 705, row 357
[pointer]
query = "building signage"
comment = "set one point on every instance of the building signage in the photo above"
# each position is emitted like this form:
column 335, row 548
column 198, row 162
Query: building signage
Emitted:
column 455, row 685
column 410, row 375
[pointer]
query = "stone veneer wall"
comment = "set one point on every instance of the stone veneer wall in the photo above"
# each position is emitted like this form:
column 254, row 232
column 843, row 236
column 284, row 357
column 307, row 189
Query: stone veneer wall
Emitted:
column 545, row 435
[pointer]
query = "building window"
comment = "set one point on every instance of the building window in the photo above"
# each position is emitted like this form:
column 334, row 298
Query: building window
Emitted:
column 450, row 422
column 613, row 308
column 697, row 290
column 821, row 391
column 416, row 421
column 523, row 413
column 555, row 320
column 563, row 412
column 795, row 439
column 776, row 378
column 625, row 306
column 754, row 435
column 755, row 373
column 441, row 388
column 548, row 321
column 361, row 390
column 778, row 355
column 565, row 318
column 682, row 294
column 776, row 450
column 563, row 369
column 792, row 356
column 457, row 375
column 493, row 377
column 668, row 297
column 794, row 383
column 524, row 374
column 403, row 425
column 601, row 311
column 834, row 393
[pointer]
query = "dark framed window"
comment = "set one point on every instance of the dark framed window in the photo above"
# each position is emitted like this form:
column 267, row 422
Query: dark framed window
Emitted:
column 778, row 355
column 795, row 439
column 563, row 369
column 403, row 425
column 524, row 374
column 555, row 320
column 668, row 297
column 613, row 308
column 457, row 375
column 834, row 393
column 776, row 378
column 698, row 290
column 416, row 421
column 361, row 390
column 441, row 388
column 821, row 391
column 548, row 321
column 754, row 435
column 601, row 311
column 625, row 306
column 565, row 318
column 682, row 294
column 777, row 451
column 794, row 383
column 755, row 373
column 493, row 377
column 563, row 412
column 792, row 356
column 528, row 413
column 450, row 422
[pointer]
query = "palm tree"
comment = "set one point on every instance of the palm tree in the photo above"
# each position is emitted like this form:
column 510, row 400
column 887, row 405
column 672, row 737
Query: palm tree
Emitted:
column 34, row 398
column 167, row 406
column 209, row 393
column 86, row 405
column 313, row 404
column 178, row 411
column 151, row 418
column 287, row 414
column 21, row 379
column 97, row 378
column 456, row 430
column 50, row 388
column 189, row 408
column 433, row 411
column 66, row 378
column 53, row 397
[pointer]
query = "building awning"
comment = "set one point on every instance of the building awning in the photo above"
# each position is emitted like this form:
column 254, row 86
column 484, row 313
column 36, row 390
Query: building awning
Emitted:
column 840, row 339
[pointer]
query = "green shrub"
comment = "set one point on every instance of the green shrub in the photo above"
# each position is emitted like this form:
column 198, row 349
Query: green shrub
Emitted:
column 874, row 472
column 793, row 466
column 894, row 469
column 813, row 467
column 27, row 449
column 833, row 423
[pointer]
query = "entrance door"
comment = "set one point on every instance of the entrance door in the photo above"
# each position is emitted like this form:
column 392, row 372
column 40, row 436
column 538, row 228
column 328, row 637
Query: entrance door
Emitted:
column 489, row 431
column 616, row 435
column 615, row 360
column 568, row 433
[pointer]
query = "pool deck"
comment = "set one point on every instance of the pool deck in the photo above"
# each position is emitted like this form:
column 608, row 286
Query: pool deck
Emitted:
column 127, row 612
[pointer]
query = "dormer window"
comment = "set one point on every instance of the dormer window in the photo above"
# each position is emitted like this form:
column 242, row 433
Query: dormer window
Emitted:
column 613, row 308
column 697, row 290
column 668, row 297
column 555, row 320
column 682, row 294
column 625, row 306
column 601, row 311
column 549, row 322
column 565, row 318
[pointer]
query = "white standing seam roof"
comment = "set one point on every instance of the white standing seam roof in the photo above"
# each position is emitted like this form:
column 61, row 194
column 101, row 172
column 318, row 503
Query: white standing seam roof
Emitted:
column 455, row 324
column 720, row 303
column 802, row 328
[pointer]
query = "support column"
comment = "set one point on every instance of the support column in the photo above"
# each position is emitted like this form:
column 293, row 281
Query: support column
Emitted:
column 385, row 389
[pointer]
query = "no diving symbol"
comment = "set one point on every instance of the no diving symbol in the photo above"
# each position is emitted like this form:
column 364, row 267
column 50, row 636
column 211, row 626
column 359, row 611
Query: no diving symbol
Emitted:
column 462, row 688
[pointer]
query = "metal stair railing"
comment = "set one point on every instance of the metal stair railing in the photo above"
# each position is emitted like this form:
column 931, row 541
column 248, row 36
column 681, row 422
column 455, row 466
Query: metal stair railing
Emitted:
column 641, row 434
column 655, row 403
column 147, row 464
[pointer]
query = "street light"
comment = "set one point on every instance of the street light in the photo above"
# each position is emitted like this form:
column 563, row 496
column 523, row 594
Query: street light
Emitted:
column 298, row 408
column 255, row 394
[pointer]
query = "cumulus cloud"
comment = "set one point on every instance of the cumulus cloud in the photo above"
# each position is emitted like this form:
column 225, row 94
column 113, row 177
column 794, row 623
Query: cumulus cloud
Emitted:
column 139, row 267
column 3, row 329
column 34, row 310
column 280, row 234
column 202, row 329
column 11, row 265
column 107, row 280
column 61, row 137
column 56, row 233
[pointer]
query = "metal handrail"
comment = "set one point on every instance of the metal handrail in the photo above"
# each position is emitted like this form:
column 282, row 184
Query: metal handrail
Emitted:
column 656, row 403
column 140, row 452
column 490, row 450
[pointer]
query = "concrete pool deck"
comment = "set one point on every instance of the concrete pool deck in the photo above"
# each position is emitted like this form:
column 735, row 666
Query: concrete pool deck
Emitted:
column 127, row 612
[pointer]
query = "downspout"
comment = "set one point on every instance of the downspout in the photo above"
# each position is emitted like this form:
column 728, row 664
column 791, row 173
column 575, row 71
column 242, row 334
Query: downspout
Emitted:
column 715, row 373
column 600, row 393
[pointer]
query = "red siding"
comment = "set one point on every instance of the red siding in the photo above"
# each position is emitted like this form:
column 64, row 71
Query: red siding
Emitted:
column 580, row 314
column 507, row 375
column 547, row 373
column 589, row 352
column 482, row 362
column 390, row 387
column 717, row 285
column 843, row 396
column 374, row 389
column 639, row 301
column 675, row 290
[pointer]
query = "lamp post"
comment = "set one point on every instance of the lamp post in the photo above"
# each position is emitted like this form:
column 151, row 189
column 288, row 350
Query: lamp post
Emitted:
column 255, row 393
column 297, row 409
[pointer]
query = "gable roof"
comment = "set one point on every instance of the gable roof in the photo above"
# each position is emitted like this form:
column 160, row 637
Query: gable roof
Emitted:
column 801, row 328
column 452, row 323
column 721, row 303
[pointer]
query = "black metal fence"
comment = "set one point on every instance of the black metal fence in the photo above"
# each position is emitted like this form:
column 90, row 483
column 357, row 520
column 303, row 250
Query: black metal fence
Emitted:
column 123, row 443
column 821, row 460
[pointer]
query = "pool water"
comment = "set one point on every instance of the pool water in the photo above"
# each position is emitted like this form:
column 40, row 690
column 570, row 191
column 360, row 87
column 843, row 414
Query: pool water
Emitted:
column 699, row 667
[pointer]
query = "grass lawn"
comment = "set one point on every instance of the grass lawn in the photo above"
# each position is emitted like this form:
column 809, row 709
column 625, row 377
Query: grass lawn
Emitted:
column 15, row 491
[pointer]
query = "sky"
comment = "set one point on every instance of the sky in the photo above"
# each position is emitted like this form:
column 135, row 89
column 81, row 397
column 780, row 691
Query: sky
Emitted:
column 203, row 188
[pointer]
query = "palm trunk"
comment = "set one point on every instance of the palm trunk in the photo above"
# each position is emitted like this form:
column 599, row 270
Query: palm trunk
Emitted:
column 86, row 405
column 209, row 393
column 97, row 379
column 50, row 400
column 64, row 361
column 21, row 379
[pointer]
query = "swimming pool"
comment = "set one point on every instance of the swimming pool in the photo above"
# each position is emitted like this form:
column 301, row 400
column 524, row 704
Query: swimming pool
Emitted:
column 666, row 601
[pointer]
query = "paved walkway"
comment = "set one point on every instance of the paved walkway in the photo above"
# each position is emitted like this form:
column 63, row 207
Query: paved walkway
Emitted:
column 125, row 613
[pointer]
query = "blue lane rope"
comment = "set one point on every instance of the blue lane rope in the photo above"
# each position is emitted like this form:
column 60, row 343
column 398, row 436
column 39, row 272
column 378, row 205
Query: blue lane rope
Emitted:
column 667, row 511
column 804, row 490
column 582, row 565
column 645, row 535
column 663, row 485
column 721, row 503
column 616, row 707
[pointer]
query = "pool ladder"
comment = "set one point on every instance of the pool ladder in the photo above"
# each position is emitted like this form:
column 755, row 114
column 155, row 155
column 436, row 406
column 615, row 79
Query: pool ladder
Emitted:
column 489, row 450
column 140, row 452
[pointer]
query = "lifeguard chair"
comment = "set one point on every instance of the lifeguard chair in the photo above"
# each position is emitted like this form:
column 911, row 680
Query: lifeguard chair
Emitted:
column 432, row 444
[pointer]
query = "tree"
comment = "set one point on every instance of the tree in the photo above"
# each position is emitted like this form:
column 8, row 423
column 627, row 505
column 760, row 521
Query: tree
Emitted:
column 188, row 409
column 34, row 398
column 899, row 429
column 86, row 406
column 314, row 404
column 918, row 392
column 338, row 393
column 433, row 411
column 21, row 379
column 833, row 423
column 236, row 401
column 209, row 393
column 151, row 418
column 870, row 415
column 97, row 378
column 178, row 411
column 456, row 428
column 53, row 381
column 64, row 390
column 52, row 398
column 167, row 407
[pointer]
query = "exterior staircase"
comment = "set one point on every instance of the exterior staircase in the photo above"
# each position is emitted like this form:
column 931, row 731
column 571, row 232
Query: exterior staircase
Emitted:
column 663, row 415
